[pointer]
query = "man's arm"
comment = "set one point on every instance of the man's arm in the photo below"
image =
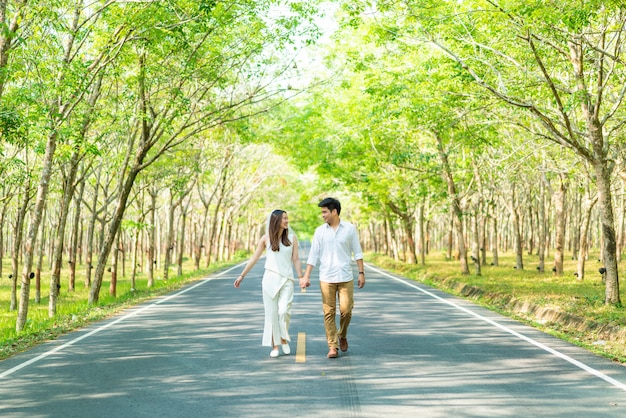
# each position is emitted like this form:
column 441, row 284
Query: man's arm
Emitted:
column 314, row 255
column 361, row 280
column 358, row 256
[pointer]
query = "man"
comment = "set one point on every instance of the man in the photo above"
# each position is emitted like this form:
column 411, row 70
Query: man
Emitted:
column 334, row 244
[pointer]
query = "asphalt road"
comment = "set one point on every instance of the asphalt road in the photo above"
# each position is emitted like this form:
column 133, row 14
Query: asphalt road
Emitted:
column 414, row 352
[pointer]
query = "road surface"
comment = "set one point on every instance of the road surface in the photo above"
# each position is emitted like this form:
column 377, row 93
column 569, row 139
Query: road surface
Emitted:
column 414, row 352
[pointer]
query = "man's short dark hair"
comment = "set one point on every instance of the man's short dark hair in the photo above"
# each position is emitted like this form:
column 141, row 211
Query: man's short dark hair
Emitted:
column 330, row 203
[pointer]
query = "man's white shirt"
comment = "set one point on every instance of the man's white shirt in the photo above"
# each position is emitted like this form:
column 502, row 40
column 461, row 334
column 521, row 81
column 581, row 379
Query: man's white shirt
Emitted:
column 333, row 249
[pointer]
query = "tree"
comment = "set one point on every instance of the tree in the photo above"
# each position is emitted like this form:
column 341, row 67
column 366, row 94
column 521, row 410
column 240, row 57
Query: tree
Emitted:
column 197, row 66
column 72, row 77
column 562, row 63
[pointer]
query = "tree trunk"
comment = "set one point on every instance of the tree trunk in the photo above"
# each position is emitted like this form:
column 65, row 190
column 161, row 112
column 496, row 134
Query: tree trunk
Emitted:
column 393, row 241
column 214, row 227
column 7, row 200
column 221, row 235
column 169, row 241
column 200, row 240
column 541, row 244
column 519, row 242
column 94, row 293
column 387, row 238
column 75, row 233
column 422, row 235
column 122, row 249
column 18, row 232
column 531, row 229
column 450, row 238
column 455, row 202
column 408, row 226
column 91, row 231
column 133, row 273
column 427, row 250
column 575, row 221
column 152, row 237
column 495, row 260
column 476, row 256
column 584, row 236
column 42, row 243
column 622, row 219
column 69, row 187
column 228, row 233
column 114, row 267
column 181, row 240
column 35, row 221
column 483, row 240
column 612, row 296
column 559, row 244
column 218, row 194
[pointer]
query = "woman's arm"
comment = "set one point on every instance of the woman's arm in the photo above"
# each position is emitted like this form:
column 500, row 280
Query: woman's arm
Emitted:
column 255, row 257
column 295, row 258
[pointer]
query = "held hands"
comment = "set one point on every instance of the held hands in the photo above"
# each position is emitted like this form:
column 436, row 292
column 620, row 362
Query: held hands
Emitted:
column 304, row 282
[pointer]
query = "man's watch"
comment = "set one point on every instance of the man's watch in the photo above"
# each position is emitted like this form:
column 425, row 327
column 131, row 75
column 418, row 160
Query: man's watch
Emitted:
column 362, row 272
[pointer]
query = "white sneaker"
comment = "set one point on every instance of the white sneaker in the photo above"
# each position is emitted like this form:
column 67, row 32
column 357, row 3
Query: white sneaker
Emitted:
column 286, row 348
column 274, row 353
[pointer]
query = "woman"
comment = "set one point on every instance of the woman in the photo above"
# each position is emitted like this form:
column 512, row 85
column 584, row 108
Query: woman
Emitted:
column 278, row 282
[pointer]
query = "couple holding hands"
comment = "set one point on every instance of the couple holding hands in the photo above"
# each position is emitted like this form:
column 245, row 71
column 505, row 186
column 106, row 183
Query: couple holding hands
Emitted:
column 334, row 243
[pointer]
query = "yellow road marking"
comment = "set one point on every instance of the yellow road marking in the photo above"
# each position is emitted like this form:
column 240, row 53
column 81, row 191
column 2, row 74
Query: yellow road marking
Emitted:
column 301, row 350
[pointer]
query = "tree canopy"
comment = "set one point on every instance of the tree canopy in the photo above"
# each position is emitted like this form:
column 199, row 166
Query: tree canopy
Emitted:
column 156, row 130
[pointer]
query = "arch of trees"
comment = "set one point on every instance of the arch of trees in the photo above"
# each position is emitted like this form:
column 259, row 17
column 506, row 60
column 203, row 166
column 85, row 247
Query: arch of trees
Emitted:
column 123, row 134
column 138, row 134
column 477, row 127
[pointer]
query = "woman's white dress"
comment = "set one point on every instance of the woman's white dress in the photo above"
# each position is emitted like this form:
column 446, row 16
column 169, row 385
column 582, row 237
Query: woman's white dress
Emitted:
column 278, row 288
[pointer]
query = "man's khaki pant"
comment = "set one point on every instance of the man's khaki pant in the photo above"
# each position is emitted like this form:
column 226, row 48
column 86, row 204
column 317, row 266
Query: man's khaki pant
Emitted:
column 330, row 292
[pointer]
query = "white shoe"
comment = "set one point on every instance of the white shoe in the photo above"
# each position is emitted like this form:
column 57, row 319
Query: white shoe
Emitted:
column 274, row 353
column 286, row 348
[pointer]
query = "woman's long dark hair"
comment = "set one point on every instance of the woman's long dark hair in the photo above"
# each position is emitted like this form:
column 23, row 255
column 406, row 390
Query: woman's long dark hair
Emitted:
column 276, row 218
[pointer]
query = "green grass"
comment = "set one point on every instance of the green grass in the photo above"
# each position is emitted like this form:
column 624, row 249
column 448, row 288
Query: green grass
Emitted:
column 500, row 285
column 73, row 311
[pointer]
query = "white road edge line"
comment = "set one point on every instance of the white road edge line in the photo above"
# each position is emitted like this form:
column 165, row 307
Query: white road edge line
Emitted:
column 110, row 324
column 565, row 357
